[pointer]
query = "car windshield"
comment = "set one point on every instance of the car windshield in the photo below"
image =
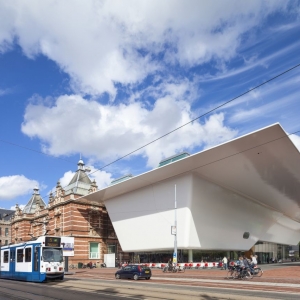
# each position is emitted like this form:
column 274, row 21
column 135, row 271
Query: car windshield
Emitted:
column 52, row 254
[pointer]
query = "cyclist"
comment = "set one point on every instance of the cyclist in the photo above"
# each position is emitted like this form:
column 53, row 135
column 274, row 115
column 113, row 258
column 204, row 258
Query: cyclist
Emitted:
column 253, row 263
column 170, row 265
column 254, row 260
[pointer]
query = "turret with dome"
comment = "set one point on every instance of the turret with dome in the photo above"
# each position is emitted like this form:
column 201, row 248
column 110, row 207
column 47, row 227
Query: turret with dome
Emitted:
column 34, row 202
column 80, row 184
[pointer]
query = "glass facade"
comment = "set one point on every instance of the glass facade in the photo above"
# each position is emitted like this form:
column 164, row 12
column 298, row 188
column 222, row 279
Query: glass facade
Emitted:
column 266, row 253
column 270, row 252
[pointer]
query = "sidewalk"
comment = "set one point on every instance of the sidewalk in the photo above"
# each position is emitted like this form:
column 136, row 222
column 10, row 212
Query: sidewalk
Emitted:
column 275, row 275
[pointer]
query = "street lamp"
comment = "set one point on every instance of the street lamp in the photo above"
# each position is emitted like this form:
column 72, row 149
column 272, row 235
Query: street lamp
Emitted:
column 174, row 230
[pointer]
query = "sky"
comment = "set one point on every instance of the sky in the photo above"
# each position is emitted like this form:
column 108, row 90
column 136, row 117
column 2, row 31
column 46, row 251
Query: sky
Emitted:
column 100, row 79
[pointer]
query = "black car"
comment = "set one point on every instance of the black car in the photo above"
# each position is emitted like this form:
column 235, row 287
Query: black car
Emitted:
column 134, row 271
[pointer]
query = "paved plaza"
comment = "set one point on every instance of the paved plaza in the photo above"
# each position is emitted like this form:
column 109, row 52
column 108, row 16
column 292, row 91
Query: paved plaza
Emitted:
column 276, row 277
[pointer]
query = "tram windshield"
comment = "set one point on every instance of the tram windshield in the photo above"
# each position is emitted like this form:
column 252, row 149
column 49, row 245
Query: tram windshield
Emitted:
column 52, row 254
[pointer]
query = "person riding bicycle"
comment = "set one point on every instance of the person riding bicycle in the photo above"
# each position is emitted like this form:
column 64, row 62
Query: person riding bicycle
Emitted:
column 253, row 263
column 254, row 260
column 240, row 265
column 170, row 265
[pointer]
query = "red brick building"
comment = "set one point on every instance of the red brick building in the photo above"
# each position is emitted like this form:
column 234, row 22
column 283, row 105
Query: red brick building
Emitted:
column 68, row 213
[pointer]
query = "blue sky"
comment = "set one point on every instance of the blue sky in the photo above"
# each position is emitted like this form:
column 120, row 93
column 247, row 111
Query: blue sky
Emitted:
column 102, row 78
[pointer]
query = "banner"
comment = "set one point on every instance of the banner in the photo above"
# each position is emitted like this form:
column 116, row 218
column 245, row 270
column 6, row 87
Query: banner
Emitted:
column 68, row 245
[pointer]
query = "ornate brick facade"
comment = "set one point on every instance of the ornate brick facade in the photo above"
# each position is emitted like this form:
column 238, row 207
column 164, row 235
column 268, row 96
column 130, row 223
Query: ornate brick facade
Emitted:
column 69, row 214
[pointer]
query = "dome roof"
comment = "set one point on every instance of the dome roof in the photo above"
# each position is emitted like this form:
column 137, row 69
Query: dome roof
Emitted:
column 35, row 200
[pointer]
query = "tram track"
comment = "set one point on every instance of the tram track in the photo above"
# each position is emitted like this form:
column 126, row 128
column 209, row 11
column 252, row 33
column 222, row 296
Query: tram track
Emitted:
column 126, row 289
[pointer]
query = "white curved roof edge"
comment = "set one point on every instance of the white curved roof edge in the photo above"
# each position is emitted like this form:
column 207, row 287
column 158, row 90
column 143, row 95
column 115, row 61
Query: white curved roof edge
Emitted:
column 256, row 139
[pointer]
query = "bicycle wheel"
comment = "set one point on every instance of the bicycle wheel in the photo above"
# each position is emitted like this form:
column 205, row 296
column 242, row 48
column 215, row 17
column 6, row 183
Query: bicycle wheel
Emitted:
column 247, row 275
column 230, row 274
column 259, row 272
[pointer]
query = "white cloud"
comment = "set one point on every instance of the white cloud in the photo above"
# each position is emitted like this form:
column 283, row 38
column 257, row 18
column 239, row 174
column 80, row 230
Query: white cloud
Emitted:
column 106, row 132
column 102, row 178
column 4, row 92
column 15, row 186
column 100, row 43
column 274, row 107
column 21, row 206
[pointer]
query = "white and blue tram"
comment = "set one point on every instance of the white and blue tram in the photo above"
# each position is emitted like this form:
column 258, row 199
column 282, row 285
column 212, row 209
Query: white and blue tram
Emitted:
column 36, row 260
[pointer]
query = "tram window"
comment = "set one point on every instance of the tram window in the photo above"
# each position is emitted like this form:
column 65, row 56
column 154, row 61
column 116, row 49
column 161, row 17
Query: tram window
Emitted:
column 5, row 257
column 20, row 255
column 28, row 255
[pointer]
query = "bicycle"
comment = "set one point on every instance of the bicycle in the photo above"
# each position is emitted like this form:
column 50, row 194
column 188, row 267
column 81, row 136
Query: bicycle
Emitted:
column 72, row 266
column 245, row 274
column 232, row 273
column 170, row 268
column 180, row 269
column 257, row 271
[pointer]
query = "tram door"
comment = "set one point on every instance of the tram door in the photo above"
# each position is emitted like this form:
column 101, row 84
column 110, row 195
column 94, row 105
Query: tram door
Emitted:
column 12, row 263
column 36, row 262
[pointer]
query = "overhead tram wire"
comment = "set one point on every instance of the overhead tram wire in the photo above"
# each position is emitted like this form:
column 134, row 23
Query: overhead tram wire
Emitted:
column 218, row 160
column 34, row 150
column 251, row 148
column 206, row 113
column 203, row 115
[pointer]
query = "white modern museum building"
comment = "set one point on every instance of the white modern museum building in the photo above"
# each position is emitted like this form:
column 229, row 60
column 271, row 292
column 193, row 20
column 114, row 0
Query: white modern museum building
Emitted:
column 239, row 196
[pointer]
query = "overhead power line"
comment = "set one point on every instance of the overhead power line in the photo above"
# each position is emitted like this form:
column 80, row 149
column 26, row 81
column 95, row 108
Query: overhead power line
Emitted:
column 193, row 120
column 34, row 150
column 168, row 133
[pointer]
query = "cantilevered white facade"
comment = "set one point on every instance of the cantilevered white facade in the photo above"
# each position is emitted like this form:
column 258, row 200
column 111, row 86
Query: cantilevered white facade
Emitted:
column 250, row 184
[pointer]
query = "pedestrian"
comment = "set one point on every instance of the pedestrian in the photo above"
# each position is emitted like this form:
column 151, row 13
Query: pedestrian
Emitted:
column 224, row 261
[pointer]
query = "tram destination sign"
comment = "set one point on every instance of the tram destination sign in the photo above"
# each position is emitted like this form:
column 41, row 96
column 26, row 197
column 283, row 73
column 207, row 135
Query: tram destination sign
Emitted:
column 52, row 241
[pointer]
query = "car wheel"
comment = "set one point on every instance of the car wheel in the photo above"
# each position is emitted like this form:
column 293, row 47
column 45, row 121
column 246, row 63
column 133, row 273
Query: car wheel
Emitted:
column 117, row 276
column 147, row 278
column 135, row 276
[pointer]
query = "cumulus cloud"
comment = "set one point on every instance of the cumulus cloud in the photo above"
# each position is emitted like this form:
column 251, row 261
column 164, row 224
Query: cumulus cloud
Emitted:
column 102, row 178
column 107, row 131
column 15, row 186
column 100, row 43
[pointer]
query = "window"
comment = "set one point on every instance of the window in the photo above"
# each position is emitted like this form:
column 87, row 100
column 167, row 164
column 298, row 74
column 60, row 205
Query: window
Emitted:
column 94, row 250
column 111, row 249
column 5, row 257
column 6, row 231
column 20, row 255
column 28, row 254
column 6, row 242
column 0, row 230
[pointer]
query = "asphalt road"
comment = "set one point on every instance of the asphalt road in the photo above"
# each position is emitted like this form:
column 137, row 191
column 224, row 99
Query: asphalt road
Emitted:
column 90, row 289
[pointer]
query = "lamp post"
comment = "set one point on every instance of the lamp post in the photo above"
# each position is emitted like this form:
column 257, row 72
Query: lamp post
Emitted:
column 174, row 230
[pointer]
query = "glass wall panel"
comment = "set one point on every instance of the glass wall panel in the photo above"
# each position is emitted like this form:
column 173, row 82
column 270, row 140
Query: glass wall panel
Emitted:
column 270, row 252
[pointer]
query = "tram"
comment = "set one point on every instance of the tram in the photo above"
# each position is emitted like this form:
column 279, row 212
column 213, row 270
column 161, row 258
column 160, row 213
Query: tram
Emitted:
column 36, row 260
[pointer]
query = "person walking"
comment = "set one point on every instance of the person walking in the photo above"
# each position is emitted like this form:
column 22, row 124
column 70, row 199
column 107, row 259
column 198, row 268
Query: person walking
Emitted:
column 225, row 261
